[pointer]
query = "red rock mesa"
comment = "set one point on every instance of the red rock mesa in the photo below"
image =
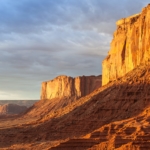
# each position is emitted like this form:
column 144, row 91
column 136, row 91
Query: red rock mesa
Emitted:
column 65, row 86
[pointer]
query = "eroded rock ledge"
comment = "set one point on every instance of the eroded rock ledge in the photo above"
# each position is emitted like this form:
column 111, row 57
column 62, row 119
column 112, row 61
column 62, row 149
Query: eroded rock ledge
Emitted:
column 130, row 46
column 65, row 86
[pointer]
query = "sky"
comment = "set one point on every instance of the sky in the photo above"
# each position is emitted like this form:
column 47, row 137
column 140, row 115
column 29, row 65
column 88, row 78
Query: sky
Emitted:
column 42, row 39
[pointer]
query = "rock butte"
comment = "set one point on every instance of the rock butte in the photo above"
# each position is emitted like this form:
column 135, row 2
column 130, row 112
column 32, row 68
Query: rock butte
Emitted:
column 130, row 46
column 65, row 86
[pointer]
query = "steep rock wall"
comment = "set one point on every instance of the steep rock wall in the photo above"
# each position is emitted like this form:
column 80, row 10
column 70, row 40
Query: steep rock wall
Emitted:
column 64, row 86
column 130, row 46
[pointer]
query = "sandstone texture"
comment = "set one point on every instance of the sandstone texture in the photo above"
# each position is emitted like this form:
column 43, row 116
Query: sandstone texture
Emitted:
column 65, row 86
column 10, row 109
column 130, row 46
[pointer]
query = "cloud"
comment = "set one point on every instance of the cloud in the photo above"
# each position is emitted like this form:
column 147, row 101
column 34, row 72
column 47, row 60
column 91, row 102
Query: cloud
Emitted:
column 26, row 16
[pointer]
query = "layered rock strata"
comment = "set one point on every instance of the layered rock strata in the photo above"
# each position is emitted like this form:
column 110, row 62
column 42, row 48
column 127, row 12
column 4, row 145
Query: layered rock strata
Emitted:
column 65, row 86
column 130, row 46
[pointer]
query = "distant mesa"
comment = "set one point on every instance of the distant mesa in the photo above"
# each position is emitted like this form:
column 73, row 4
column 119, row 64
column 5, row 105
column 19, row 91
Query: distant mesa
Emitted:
column 11, row 109
column 130, row 46
column 27, row 103
column 65, row 86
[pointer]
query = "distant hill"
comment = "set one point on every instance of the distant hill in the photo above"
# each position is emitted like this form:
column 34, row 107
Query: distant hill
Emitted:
column 11, row 109
column 26, row 103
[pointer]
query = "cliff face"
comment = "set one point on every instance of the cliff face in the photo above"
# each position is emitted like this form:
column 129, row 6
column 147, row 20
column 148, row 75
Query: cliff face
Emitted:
column 64, row 86
column 130, row 46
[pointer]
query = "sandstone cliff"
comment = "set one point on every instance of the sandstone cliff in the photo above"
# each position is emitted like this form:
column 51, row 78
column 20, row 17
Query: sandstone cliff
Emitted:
column 64, row 86
column 130, row 46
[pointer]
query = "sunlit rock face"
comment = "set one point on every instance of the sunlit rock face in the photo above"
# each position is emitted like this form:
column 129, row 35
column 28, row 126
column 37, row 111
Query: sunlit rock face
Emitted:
column 130, row 46
column 65, row 86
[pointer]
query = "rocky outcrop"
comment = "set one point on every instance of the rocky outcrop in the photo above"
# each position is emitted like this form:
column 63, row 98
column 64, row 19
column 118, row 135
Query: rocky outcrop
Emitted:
column 130, row 46
column 10, row 109
column 65, row 86
column 129, row 134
